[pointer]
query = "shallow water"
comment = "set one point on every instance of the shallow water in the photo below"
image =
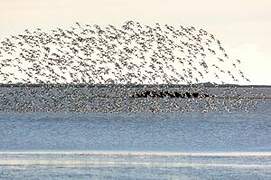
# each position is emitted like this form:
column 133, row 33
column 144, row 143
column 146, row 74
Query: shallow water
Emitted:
column 135, row 165
column 213, row 145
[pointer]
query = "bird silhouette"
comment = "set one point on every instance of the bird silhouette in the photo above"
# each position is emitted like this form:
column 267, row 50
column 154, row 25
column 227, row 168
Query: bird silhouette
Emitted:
column 132, row 53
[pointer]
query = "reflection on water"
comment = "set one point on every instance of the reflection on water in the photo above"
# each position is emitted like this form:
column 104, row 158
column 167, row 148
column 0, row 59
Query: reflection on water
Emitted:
column 136, row 146
column 134, row 165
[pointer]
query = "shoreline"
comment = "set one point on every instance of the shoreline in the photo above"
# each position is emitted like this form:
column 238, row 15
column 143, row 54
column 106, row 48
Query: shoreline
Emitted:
column 129, row 98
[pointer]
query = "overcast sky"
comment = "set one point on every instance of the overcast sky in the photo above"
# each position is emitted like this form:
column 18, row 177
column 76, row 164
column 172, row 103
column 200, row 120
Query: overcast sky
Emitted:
column 243, row 26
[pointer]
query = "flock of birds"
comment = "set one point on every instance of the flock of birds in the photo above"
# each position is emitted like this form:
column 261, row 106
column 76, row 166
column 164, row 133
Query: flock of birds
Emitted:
column 133, row 53
column 130, row 54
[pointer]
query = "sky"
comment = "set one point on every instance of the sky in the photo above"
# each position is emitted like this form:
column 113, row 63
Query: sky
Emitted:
column 243, row 26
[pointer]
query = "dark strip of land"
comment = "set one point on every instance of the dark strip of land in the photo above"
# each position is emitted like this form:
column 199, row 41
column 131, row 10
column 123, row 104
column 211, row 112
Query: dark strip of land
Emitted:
column 128, row 98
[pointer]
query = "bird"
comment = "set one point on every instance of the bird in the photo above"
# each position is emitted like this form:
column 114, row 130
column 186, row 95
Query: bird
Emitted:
column 118, row 51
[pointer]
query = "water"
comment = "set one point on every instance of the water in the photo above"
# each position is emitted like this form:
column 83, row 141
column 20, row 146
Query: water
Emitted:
column 213, row 145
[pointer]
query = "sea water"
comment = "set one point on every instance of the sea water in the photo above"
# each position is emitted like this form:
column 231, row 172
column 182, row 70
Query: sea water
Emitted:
column 211, row 145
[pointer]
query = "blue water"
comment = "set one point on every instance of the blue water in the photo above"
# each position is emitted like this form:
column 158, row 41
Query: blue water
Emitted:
column 136, row 145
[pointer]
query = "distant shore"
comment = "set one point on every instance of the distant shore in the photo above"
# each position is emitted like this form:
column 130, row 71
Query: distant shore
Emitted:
column 129, row 98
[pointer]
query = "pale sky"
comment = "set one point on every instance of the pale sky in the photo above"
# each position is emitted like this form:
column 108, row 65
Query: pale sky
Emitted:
column 243, row 26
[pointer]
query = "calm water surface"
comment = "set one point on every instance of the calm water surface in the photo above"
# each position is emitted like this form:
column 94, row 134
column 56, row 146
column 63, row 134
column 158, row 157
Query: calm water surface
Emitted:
column 214, row 145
